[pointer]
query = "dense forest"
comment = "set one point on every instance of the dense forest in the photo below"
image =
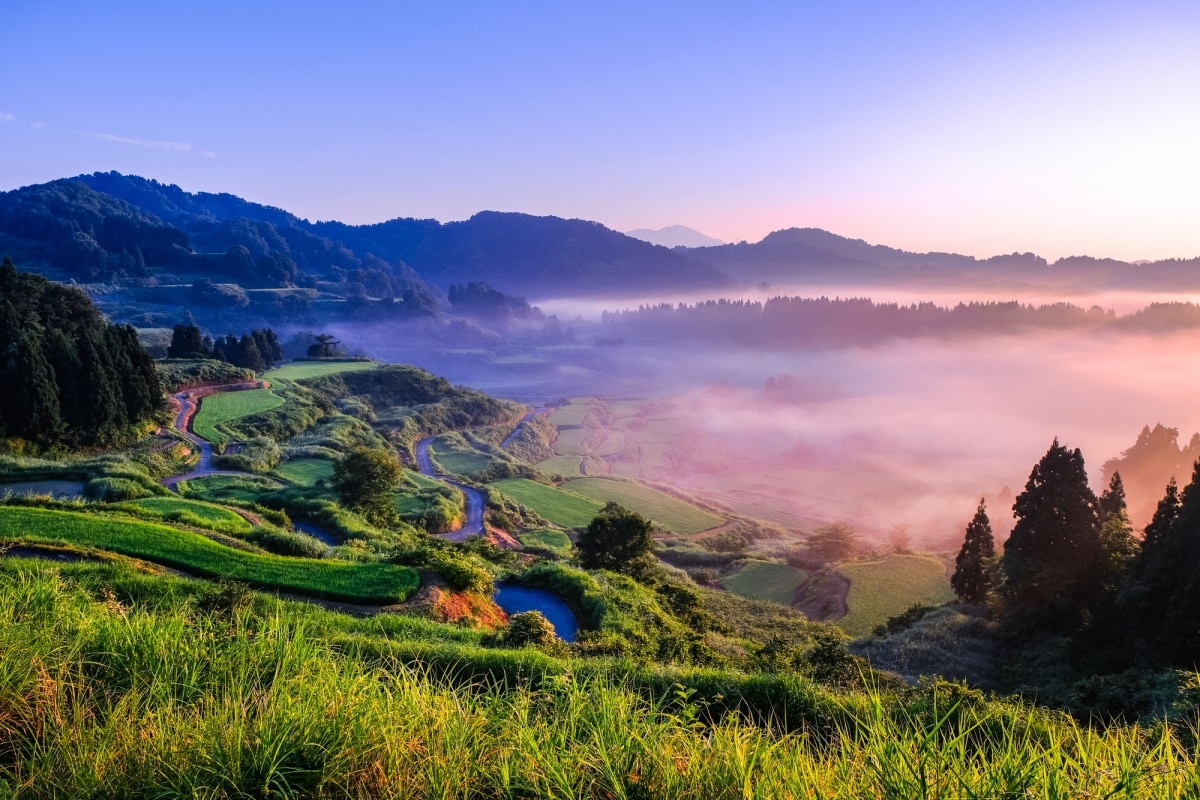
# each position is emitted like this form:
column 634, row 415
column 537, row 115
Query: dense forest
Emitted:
column 72, row 378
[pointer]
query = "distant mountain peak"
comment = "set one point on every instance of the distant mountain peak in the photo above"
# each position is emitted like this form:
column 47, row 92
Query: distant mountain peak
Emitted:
column 674, row 236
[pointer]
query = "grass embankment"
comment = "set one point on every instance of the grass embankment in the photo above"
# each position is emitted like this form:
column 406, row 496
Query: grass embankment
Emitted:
column 228, row 488
column 766, row 580
column 217, row 409
column 367, row 583
column 554, row 541
column 299, row 370
column 889, row 586
column 204, row 515
column 108, row 696
column 669, row 512
column 305, row 471
column 561, row 508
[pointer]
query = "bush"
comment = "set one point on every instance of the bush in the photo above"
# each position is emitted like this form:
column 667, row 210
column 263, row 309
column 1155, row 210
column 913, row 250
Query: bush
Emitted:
column 113, row 490
column 287, row 543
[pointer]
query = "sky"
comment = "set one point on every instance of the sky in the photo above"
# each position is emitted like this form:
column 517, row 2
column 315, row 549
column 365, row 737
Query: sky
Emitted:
column 1062, row 128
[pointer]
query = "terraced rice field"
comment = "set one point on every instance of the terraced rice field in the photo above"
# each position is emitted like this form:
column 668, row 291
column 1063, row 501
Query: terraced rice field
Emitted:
column 223, row 488
column 306, row 471
column 613, row 444
column 573, row 442
column 567, row 466
column 371, row 583
column 669, row 512
column 459, row 462
column 766, row 580
column 217, row 409
column 547, row 539
column 204, row 514
column 888, row 586
column 625, row 469
column 300, row 370
column 573, row 414
column 561, row 508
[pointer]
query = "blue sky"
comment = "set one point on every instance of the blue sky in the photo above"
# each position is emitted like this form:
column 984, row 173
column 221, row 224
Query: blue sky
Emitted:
column 978, row 127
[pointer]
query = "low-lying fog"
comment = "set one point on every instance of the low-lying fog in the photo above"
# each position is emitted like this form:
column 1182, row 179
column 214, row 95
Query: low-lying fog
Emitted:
column 911, row 432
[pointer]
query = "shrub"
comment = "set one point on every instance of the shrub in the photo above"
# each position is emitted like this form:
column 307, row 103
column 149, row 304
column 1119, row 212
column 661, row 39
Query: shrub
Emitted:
column 113, row 490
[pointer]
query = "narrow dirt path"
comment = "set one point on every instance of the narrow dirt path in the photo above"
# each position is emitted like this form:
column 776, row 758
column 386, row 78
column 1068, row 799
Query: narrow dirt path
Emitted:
column 189, row 403
column 474, row 500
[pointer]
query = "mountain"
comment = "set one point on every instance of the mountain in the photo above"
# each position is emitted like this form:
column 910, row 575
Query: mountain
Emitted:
column 108, row 226
column 674, row 236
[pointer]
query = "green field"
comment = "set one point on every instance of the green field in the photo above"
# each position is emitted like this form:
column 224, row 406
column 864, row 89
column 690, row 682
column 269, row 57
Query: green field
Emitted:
column 888, row 586
column 217, row 409
column 667, row 511
column 561, row 508
column 766, row 580
column 305, row 471
column 570, row 442
column 371, row 583
column 546, row 539
column 223, row 488
column 422, row 481
column 459, row 462
column 300, row 370
column 204, row 514
column 567, row 466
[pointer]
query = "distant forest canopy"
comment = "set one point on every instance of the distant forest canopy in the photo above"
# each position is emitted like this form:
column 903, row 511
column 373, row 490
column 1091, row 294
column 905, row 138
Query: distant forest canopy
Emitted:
column 109, row 227
column 68, row 376
column 823, row 322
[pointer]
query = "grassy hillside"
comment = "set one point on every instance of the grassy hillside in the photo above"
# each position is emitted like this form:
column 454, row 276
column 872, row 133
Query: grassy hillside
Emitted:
column 888, row 586
column 668, row 511
column 299, row 370
column 561, row 508
column 116, row 685
column 369, row 583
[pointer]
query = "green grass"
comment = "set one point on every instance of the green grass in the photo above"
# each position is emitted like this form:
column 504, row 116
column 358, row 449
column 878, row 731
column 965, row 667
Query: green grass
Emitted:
column 561, row 508
column 422, row 481
column 314, row 369
column 888, row 586
column 766, row 580
column 567, row 466
column 217, row 409
column 222, row 488
column 206, row 514
column 372, row 582
column 547, row 539
column 305, row 471
column 669, row 512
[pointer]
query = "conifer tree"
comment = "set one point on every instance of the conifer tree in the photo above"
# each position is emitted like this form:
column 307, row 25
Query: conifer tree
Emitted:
column 1050, row 560
column 972, row 579
column 1118, row 547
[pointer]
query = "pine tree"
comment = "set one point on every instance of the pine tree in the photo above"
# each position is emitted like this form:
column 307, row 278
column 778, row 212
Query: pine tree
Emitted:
column 972, row 579
column 37, row 415
column 1050, row 560
column 1118, row 547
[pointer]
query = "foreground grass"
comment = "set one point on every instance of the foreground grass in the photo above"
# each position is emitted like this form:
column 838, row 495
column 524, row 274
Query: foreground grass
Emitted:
column 670, row 512
column 888, row 586
column 217, row 409
column 367, row 583
column 766, row 580
column 104, row 696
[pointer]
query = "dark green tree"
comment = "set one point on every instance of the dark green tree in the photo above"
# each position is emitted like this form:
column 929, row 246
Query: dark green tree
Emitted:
column 1051, row 559
column 973, row 568
column 248, row 354
column 36, row 415
column 366, row 479
column 187, row 342
column 268, row 346
column 616, row 539
column 1112, row 499
column 1118, row 547
column 326, row 346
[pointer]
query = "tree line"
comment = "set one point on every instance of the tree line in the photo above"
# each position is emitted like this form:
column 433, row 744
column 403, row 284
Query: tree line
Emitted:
column 67, row 376
column 1073, row 568
column 258, row 350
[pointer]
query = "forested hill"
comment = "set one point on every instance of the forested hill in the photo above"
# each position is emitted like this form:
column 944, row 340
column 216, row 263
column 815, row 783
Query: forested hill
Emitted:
column 108, row 226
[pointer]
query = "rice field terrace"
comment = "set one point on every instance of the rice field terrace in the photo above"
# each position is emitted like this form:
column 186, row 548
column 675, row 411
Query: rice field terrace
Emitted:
column 547, row 539
column 194, row 553
column 766, row 580
column 218, row 409
column 204, row 515
column 305, row 471
column 561, row 508
column 669, row 512
column 299, row 370
column 458, row 460
column 887, row 587
column 225, row 488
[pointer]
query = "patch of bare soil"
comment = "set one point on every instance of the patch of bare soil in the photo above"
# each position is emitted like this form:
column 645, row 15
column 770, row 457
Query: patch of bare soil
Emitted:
column 822, row 597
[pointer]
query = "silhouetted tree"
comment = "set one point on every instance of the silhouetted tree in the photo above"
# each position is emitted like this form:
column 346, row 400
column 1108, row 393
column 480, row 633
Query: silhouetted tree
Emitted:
column 326, row 347
column 1050, row 560
column 187, row 342
column 836, row 541
column 974, row 566
column 1117, row 543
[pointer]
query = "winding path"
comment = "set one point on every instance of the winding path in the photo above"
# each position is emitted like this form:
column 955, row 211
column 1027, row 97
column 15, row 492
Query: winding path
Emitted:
column 189, row 403
column 473, row 512
column 530, row 415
